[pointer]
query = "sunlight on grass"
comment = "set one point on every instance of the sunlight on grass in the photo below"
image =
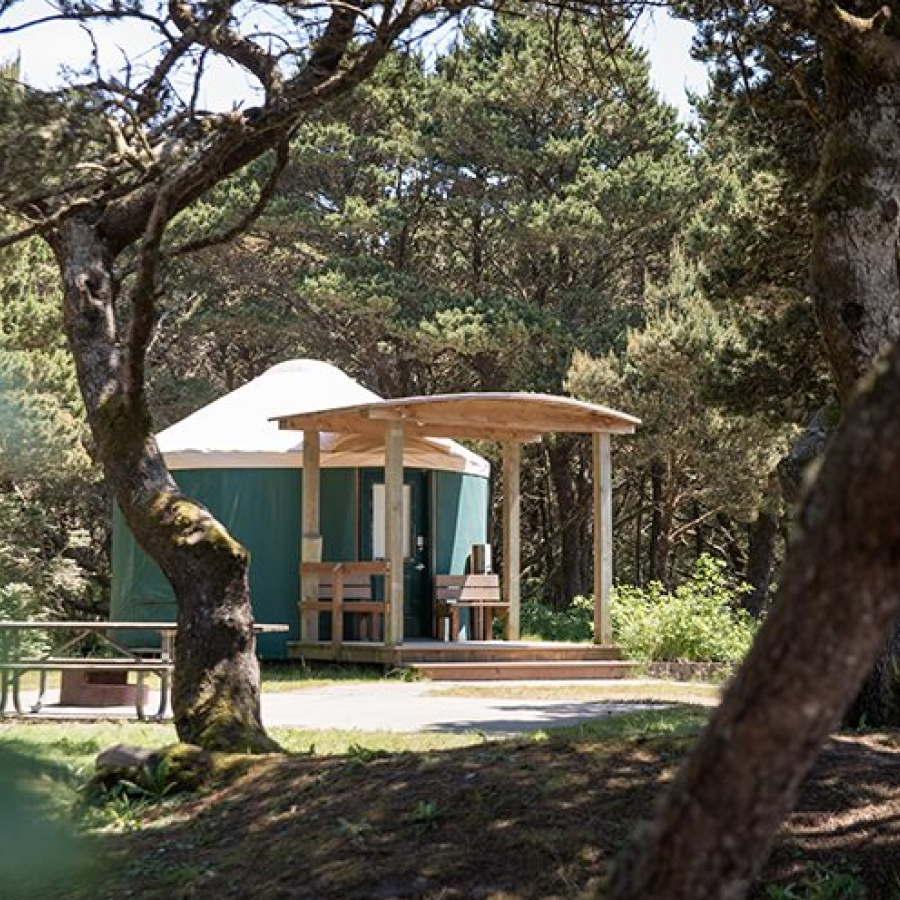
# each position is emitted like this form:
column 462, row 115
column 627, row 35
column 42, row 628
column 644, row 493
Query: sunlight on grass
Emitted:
column 624, row 692
column 76, row 745
column 277, row 678
column 673, row 722
column 337, row 743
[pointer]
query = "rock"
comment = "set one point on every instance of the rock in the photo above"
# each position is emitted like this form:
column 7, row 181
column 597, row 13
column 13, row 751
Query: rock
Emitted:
column 124, row 758
column 156, row 773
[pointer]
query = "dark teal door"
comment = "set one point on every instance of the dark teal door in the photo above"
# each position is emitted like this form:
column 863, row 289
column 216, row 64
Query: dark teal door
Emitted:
column 416, row 570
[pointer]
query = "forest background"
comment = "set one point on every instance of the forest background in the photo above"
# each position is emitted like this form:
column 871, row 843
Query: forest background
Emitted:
column 525, row 213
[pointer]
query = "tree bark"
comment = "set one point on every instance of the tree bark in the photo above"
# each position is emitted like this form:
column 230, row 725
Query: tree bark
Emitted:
column 760, row 559
column 561, row 453
column 215, row 698
column 661, row 524
column 856, row 285
column 838, row 598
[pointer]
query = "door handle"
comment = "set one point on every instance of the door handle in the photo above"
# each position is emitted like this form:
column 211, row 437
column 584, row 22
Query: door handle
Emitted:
column 420, row 567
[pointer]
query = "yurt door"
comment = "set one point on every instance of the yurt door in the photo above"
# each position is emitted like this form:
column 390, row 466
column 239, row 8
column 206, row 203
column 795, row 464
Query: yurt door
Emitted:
column 416, row 573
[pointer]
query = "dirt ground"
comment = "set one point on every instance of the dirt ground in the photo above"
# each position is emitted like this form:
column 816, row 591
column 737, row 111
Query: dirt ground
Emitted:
column 513, row 820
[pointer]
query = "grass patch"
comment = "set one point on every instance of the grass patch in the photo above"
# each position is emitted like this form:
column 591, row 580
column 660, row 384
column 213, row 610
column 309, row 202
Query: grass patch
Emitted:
column 614, row 691
column 279, row 677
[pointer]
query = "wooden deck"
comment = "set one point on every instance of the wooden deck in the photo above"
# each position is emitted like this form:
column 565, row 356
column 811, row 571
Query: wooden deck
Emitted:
column 477, row 660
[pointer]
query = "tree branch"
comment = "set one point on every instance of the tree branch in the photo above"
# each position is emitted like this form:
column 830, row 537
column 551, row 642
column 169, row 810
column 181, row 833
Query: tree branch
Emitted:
column 833, row 25
column 143, row 299
column 215, row 33
column 282, row 157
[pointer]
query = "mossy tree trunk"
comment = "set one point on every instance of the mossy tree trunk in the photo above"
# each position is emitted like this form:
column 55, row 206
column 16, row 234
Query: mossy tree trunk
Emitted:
column 101, row 169
column 855, row 281
column 215, row 699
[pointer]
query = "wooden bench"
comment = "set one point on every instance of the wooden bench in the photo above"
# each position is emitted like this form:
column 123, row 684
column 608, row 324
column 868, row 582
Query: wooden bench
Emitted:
column 479, row 593
column 345, row 589
column 12, row 673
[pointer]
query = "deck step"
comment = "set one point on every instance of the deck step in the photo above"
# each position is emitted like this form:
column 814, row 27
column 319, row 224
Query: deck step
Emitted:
column 537, row 670
column 497, row 652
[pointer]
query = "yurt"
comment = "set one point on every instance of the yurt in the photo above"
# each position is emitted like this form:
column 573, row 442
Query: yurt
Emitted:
column 231, row 457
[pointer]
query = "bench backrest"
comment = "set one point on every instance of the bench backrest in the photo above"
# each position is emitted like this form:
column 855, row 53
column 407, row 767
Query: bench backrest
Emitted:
column 356, row 587
column 467, row 588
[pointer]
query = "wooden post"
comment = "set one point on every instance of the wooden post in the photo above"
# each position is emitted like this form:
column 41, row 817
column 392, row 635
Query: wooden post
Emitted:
column 393, row 532
column 311, row 547
column 337, row 608
column 511, row 537
column 602, row 538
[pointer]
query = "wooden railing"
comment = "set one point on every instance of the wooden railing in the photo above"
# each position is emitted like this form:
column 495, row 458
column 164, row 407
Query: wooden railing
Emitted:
column 339, row 588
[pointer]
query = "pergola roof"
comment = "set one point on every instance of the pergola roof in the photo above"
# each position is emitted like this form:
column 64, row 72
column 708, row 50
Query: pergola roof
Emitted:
column 490, row 416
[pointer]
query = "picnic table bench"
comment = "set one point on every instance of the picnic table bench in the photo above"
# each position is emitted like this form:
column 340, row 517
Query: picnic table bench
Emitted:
column 15, row 661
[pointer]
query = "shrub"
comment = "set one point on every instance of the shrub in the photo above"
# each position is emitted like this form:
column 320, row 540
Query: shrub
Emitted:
column 573, row 624
column 699, row 621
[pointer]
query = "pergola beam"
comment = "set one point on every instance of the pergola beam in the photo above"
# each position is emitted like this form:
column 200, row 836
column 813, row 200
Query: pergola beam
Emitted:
column 421, row 427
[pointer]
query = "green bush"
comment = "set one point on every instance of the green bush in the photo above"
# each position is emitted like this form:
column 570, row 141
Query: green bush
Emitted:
column 699, row 621
column 573, row 624
column 17, row 602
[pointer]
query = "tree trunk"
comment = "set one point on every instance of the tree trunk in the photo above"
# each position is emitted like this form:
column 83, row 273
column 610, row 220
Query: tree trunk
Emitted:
column 661, row 524
column 762, row 535
column 837, row 600
column 561, row 453
column 856, row 285
column 215, row 698
column 760, row 559
column 656, row 563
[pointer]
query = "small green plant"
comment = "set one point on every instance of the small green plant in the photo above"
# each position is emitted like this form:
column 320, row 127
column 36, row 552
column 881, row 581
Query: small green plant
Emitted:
column 822, row 882
column 425, row 812
column 355, row 831
column 359, row 754
column 119, row 812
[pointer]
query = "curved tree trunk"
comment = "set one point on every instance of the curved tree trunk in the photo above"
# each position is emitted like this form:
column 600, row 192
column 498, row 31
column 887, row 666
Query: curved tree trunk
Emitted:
column 856, row 285
column 216, row 686
column 839, row 595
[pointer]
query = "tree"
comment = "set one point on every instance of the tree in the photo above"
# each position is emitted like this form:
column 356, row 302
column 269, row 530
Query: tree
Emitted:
column 52, row 550
column 100, row 169
column 838, row 596
column 707, row 463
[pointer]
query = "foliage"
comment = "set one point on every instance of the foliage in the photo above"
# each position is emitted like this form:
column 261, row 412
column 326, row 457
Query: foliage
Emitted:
column 53, row 540
column 573, row 623
column 822, row 882
column 699, row 620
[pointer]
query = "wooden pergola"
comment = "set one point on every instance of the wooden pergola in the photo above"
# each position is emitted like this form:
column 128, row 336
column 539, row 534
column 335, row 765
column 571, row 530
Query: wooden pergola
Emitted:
column 509, row 418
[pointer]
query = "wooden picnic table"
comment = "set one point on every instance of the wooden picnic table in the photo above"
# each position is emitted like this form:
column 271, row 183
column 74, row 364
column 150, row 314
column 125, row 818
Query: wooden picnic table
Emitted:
column 14, row 661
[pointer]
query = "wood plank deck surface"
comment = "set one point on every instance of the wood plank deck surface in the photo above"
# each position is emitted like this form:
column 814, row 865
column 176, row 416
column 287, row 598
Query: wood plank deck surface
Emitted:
column 471, row 660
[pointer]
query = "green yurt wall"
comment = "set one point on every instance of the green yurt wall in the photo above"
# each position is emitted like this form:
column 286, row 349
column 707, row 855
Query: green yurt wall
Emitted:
column 261, row 508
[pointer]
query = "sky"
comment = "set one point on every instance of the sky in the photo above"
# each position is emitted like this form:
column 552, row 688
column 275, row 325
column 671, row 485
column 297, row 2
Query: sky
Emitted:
column 43, row 50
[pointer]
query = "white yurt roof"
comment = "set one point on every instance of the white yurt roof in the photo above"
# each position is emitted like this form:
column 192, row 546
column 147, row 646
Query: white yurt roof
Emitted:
column 234, row 432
